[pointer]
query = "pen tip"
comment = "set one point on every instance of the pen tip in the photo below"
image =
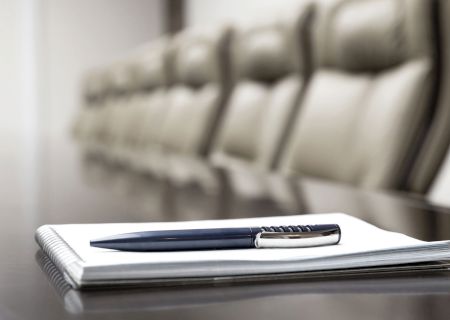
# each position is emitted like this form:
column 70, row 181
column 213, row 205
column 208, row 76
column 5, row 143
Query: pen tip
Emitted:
column 118, row 242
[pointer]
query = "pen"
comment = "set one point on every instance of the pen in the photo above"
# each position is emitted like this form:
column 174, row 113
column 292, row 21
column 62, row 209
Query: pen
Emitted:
column 293, row 236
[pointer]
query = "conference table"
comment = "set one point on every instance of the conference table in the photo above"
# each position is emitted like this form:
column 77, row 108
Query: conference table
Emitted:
column 80, row 187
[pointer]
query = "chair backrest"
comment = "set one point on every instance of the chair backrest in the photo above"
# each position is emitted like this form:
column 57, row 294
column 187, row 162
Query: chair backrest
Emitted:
column 365, row 108
column 93, row 92
column 198, row 90
column 146, row 106
column 270, row 68
column 437, row 140
column 116, row 107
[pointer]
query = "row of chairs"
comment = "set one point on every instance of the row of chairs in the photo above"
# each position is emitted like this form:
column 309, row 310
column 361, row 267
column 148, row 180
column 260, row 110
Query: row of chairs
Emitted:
column 352, row 91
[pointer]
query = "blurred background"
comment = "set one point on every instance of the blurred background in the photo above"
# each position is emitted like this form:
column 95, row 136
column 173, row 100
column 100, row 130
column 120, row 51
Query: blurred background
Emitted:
column 51, row 49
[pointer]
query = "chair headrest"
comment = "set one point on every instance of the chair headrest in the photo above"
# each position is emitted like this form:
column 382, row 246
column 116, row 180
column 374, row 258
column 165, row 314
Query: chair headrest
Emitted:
column 371, row 35
column 149, row 65
column 198, row 56
column 270, row 50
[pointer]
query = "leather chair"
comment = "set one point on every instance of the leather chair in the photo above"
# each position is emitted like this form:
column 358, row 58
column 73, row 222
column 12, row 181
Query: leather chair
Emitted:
column 198, row 90
column 191, row 106
column 431, row 157
column 139, row 113
column 89, row 95
column 116, row 110
column 88, row 121
column 365, row 108
column 122, row 103
column 270, row 69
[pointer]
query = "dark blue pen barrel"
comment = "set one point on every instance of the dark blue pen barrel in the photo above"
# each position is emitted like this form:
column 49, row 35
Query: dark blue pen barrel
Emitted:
column 199, row 239
column 288, row 236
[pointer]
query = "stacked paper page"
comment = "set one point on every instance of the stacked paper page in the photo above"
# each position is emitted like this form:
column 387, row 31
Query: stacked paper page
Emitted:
column 362, row 245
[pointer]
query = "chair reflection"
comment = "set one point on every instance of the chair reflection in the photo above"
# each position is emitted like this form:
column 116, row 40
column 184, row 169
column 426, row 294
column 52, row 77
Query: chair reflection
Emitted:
column 195, row 189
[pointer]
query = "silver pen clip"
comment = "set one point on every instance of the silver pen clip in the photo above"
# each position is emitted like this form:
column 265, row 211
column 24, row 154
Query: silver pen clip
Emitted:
column 314, row 237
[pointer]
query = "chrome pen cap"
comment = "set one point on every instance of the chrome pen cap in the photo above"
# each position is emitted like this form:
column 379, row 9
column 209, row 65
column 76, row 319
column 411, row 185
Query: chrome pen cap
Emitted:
column 298, row 236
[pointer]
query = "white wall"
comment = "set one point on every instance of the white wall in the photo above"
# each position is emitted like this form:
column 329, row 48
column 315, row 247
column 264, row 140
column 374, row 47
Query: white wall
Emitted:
column 18, row 104
column 77, row 35
column 216, row 12
column 10, row 89
column 45, row 47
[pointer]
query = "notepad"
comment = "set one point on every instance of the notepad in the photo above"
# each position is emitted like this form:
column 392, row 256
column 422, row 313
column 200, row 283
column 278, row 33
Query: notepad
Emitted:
column 397, row 282
column 362, row 245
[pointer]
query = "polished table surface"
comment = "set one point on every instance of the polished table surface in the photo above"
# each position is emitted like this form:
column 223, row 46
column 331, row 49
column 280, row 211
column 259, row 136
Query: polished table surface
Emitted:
column 72, row 187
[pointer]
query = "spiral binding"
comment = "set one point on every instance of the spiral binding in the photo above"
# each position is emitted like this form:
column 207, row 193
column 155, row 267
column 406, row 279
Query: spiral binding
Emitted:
column 55, row 247
column 53, row 274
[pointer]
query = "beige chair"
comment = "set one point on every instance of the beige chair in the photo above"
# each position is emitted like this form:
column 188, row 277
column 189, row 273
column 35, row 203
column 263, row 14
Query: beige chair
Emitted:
column 437, row 140
column 270, row 68
column 139, row 114
column 116, row 109
column 185, row 115
column 365, row 107
column 104, row 88
column 198, row 90
column 89, row 120
column 90, row 94
column 122, row 100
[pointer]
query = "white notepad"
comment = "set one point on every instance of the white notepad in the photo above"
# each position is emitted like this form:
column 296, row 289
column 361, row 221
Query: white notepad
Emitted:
column 362, row 245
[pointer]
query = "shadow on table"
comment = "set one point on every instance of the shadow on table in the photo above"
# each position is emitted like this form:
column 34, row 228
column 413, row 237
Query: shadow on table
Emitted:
column 432, row 280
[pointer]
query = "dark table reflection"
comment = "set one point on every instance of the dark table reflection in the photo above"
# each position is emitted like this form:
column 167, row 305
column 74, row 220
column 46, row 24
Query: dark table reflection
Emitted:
column 94, row 190
column 176, row 298
column 192, row 189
